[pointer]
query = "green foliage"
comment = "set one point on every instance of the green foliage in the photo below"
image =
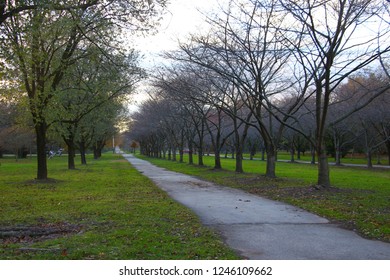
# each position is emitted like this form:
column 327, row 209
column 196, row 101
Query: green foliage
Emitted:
column 41, row 41
column 89, row 98
column 106, row 210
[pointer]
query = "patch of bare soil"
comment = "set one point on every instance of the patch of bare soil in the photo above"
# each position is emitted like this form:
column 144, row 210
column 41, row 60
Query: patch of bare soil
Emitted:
column 46, row 181
column 298, row 192
column 36, row 233
column 45, row 184
column 312, row 190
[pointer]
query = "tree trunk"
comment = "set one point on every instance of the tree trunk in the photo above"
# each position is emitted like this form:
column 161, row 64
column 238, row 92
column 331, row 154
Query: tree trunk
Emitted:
column 83, row 158
column 174, row 154
column 217, row 160
column 40, row 129
column 181, row 146
column 292, row 154
column 323, row 167
column 97, row 150
column 337, row 151
column 338, row 157
column 238, row 148
column 95, row 153
column 271, row 162
column 313, row 155
column 83, row 153
column 200, row 156
column 239, row 167
column 190, row 152
column 71, row 155
column 181, row 153
column 369, row 159
column 69, row 140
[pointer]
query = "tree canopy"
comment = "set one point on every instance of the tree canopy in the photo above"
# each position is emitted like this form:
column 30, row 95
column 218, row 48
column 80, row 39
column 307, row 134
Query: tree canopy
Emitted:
column 43, row 42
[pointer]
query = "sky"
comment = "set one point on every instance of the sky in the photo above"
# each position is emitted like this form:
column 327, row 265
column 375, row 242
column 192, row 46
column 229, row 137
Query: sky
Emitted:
column 182, row 18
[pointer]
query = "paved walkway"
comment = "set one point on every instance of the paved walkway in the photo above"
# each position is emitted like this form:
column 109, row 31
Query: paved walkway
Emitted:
column 258, row 228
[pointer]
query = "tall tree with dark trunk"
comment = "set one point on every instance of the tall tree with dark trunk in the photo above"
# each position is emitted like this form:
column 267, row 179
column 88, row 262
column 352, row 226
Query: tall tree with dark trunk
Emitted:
column 40, row 40
column 43, row 52
column 337, row 39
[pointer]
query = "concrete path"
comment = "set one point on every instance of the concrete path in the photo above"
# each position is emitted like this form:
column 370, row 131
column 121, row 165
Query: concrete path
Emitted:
column 258, row 228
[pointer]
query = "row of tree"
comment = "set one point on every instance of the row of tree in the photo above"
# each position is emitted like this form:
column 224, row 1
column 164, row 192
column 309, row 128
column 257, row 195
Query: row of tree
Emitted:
column 176, row 122
column 65, row 62
column 289, row 70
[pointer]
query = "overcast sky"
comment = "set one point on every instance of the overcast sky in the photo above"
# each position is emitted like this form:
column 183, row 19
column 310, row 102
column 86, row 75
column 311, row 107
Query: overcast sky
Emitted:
column 181, row 18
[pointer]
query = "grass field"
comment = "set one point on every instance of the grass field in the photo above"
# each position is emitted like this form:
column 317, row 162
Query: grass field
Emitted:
column 358, row 200
column 105, row 210
column 348, row 159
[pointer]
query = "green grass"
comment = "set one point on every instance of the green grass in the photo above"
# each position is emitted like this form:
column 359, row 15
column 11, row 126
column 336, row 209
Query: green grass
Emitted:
column 105, row 210
column 349, row 159
column 359, row 198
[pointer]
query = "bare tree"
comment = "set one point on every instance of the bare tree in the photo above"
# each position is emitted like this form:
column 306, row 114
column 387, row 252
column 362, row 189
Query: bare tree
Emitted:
column 338, row 38
column 248, row 47
column 145, row 127
column 187, row 91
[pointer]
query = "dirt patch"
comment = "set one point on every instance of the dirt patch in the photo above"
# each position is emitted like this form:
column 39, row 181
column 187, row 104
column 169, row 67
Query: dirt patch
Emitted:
column 45, row 184
column 46, row 181
column 257, row 181
column 37, row 233
column 303, row 192
column 276, row 188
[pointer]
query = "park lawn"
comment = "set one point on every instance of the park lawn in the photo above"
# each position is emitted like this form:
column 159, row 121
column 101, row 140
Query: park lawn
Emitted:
column 349, row 159
column 105, row 210
column 359, row 198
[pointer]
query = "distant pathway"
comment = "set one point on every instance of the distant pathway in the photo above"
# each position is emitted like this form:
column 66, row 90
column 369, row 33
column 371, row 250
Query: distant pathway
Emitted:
column 258, row 228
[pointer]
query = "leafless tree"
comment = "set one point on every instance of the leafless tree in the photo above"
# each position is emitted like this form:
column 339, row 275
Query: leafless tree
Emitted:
column 337, row 38
column 247, row 46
